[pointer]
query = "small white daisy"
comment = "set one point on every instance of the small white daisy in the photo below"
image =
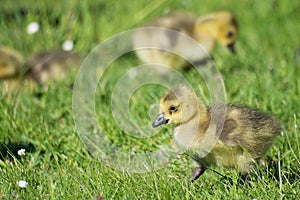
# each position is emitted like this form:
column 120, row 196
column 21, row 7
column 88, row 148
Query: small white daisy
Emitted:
column 22, row 184
column 21, row 152
column 33, row 27
column 68, row 45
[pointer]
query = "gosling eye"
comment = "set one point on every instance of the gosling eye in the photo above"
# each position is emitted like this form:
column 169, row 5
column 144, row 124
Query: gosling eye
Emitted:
column 173, row 109
column 229, row 34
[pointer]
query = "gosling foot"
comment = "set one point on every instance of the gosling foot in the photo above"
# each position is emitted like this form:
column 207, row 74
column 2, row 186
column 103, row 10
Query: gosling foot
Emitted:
column 198, row 171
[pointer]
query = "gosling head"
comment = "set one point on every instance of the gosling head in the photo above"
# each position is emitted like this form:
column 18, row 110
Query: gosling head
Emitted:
column 10, row 62
column 222, row 26
column 178, row 106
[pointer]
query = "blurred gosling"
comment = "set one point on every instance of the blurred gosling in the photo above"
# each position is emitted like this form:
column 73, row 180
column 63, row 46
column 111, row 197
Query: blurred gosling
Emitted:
column 11, row 69
column 40, row 69
column 245, row 137
column 219, row 27
column 52, row 66
column 11, row 62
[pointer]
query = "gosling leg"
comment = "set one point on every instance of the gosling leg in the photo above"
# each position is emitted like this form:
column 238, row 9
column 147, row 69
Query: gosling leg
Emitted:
column 198, row 171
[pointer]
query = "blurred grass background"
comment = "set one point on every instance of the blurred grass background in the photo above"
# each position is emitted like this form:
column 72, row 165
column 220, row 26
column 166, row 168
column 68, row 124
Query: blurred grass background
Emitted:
column 263, row 74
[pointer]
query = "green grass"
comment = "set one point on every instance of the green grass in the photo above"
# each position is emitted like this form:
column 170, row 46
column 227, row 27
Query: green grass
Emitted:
column 263, row 74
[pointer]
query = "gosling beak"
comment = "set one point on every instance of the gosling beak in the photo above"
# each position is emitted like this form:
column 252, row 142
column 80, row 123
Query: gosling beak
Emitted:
column 160, row 120
column 231, row 48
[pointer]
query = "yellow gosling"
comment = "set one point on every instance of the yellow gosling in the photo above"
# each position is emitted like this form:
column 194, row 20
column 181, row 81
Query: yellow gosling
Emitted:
column 219, row 27
column 245, row 137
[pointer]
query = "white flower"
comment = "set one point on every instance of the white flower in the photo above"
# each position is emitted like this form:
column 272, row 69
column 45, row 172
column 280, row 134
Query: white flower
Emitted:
column 21, row 152
column 22, row 184
column 68, row 45
column 33, row 27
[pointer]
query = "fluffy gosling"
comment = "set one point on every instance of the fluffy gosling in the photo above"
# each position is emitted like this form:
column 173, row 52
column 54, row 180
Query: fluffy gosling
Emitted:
column 11, row 69
column 219, row 27
column 40, row 69
column 53, row 66
column 244, row 137
column 11, row 62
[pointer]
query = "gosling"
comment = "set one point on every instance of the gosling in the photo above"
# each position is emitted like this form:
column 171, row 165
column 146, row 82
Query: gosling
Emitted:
column 51, row 66
column 40, row 69
column 219, row 27
column 11, row 68
column 244, row 136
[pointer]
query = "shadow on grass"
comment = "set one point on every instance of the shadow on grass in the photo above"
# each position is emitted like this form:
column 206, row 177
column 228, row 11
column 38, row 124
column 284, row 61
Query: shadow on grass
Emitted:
column 10, row 150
